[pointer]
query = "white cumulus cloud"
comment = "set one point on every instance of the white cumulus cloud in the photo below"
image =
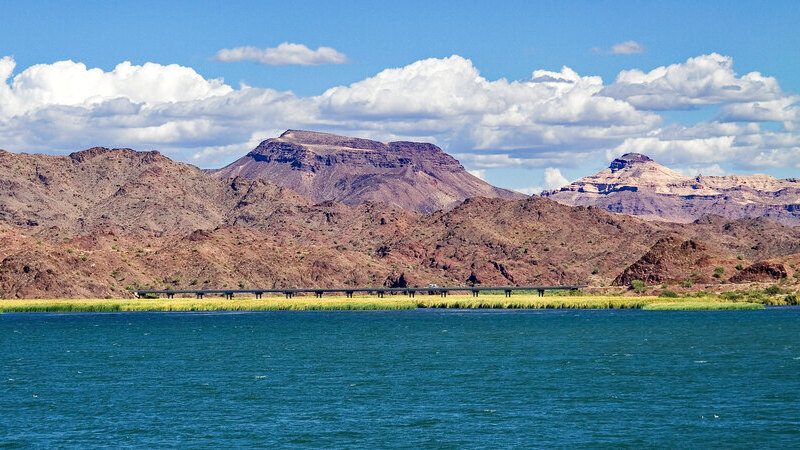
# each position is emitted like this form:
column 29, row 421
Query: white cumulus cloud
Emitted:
column 719, row 148
column 553, row 178
column 67, row 83
column 703, row 80
column 554, row 118
column 784, row 110
column 284, row 54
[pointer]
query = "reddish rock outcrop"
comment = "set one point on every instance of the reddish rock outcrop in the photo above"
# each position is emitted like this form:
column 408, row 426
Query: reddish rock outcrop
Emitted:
column 760, row 271
column 671, row 259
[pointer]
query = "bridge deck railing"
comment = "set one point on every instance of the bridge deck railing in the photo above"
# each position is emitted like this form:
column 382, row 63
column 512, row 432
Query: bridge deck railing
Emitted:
column 380, row 292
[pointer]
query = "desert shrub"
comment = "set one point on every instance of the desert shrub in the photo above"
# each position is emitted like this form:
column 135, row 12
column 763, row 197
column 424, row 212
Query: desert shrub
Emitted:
column 638, row 286
column 667, row 293
column 688, row 282
column 739, row 266
column 718, row 271
column 732, row 295
column 773, row 290
column 791, row 299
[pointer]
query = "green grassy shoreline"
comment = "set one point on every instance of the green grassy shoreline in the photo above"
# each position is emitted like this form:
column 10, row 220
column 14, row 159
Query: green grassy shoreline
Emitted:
column 371, row 303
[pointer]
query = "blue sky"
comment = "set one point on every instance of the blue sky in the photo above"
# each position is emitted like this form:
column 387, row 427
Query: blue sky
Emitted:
column 500, row 41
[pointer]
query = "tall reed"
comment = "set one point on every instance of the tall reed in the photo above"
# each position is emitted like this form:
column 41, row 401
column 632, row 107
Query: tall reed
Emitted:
column 371, row 303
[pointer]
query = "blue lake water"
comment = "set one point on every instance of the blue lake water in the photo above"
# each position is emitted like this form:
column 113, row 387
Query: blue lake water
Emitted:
column 431, row 378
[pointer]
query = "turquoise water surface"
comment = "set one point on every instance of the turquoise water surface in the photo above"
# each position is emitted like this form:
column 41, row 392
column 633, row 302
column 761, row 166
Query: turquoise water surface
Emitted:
column 420, row 378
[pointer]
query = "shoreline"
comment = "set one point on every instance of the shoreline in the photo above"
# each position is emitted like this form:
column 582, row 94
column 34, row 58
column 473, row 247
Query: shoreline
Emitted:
column 366, row 303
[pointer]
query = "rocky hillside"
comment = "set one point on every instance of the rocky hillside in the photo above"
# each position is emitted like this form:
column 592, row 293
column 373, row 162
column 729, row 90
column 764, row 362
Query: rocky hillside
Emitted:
column 635, row 184
column 125, row 191
column 324, row 167
column 101, row 221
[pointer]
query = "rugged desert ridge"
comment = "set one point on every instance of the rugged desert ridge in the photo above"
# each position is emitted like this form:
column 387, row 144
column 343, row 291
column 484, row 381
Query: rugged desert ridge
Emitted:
column 99, row 221
column 635, row 184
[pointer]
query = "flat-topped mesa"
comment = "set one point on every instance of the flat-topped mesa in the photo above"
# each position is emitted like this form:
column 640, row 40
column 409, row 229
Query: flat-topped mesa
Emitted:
column 323, row 167
column 310, row 150
column 326, row 140
column 635, row 184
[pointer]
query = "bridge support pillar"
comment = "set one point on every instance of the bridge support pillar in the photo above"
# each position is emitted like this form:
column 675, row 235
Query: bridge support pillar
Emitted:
column 229, row 295
column 318, row 294
column 380, row 294
column 541, row 292
column 348, row 294
column 258, row 295
column 508, row 293
column 199, row 295
column 170, row 295
column 287, row 294
column 475, row 293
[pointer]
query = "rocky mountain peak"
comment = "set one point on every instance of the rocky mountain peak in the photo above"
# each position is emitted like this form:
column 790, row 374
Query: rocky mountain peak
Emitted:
column 321, row 166
column 628, row 160
column 635, row 184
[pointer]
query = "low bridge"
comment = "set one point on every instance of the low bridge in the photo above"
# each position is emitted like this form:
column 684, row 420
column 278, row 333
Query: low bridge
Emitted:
column 380, row 292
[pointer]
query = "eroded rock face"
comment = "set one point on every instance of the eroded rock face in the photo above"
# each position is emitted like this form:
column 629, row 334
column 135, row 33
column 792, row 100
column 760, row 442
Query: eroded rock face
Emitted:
column 322, row 167
column 635, row 184
column 671, row 259
column 760, row 271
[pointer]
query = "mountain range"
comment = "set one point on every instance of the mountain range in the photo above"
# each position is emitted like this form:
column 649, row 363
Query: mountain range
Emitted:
column 100, row 221
column 635, row 184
